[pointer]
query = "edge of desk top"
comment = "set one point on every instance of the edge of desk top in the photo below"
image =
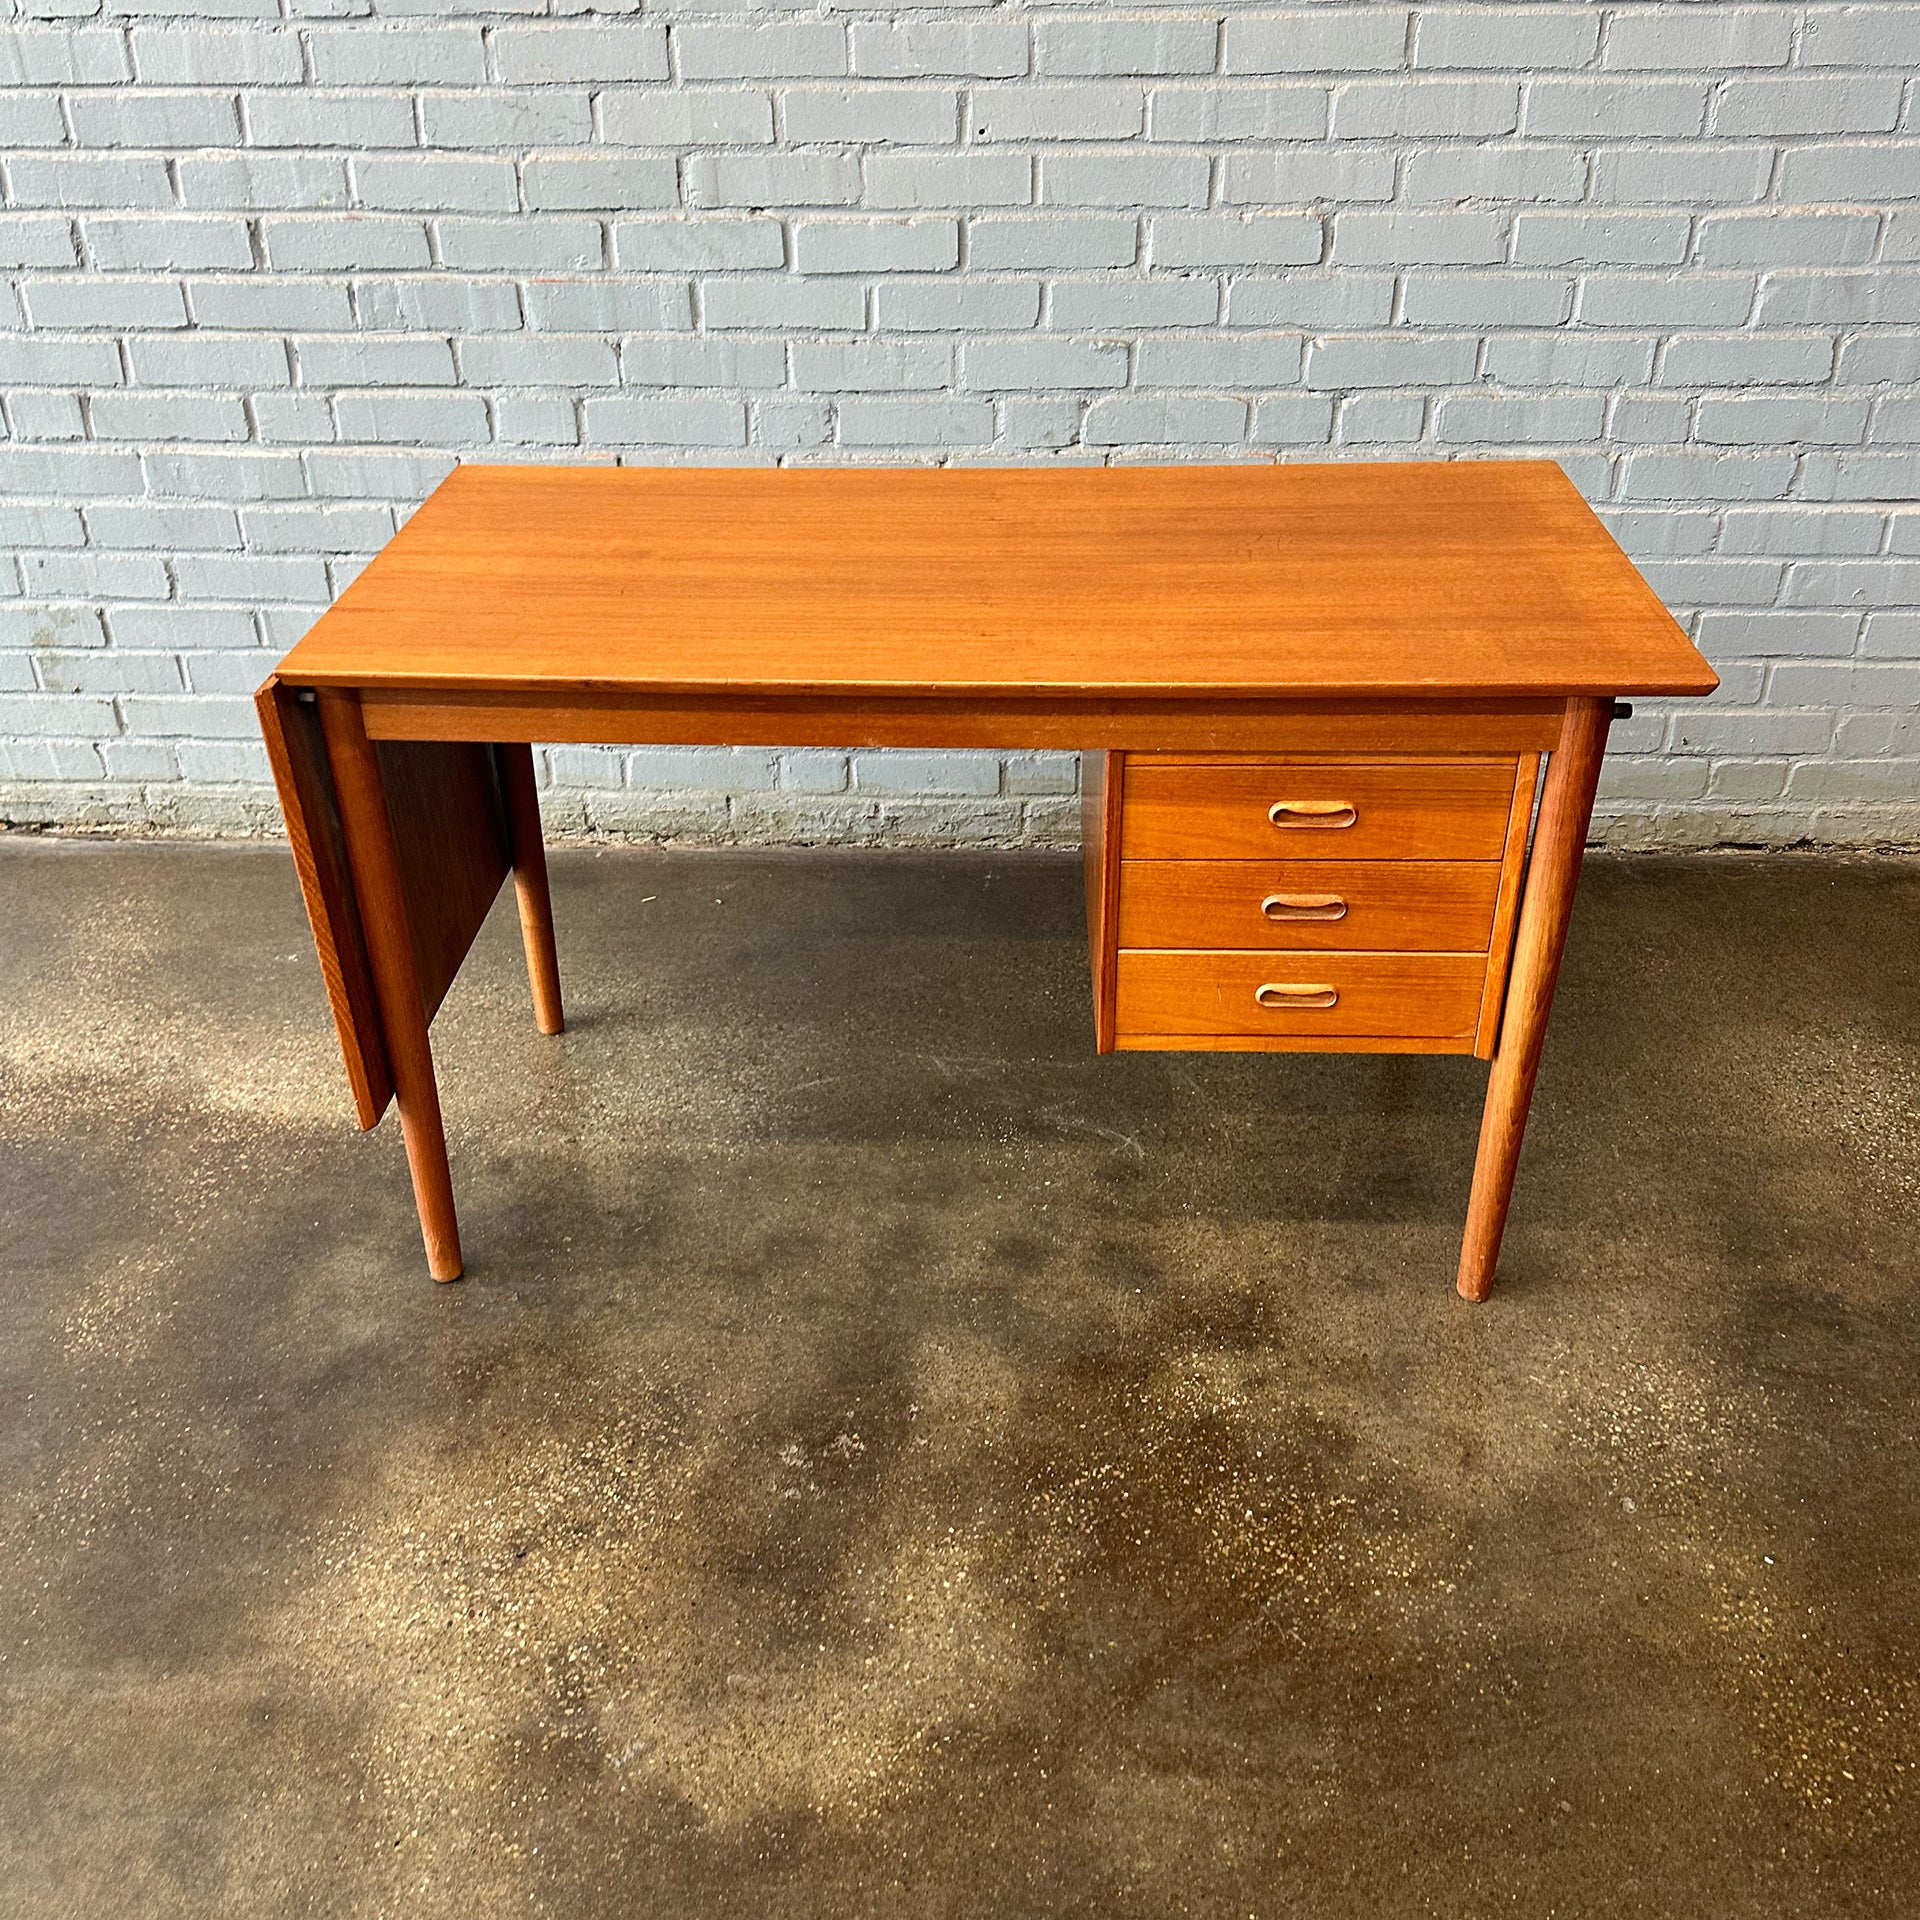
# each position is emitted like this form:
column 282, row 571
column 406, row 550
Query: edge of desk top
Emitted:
column 1371, row 581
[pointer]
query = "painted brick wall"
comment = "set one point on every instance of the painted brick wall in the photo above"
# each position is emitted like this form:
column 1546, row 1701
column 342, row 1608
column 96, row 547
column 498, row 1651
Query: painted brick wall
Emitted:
column 273, row 264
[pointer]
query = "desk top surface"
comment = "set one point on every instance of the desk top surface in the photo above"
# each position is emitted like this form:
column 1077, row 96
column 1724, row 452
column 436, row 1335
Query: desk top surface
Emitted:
column 1368, row 581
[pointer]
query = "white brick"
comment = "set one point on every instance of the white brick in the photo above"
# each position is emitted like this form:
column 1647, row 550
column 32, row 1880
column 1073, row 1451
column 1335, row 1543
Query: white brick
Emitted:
column 37, row 240
column 1707, row 37
column 916, row 49
column 1692, row 174
column 1295, row 174
column 319, row 117
column 146, row 415
column 783, row 303
column 771, row 51
column 1825, row 239
column 1389, row 360
column 949, row 179
column 953, row 305
column 430, row 419
column 1524, row 39
column 93, row 300
column 131, row 117
column 1313, row 300
column 596, row 55
column 531, row 243
column 1612, row 108
column 1053, row 242
column 375, row 55
column 199, row 57
column 1587, row 239
column 249, row 180
column 1486, row 298
column 1396, row 109
column 616, row 305
column 346, row 240
column 437, row 303
column 994, row 364
column 1495, row 171
column 1235, row 240
column 927, row 773
column 665, row 423
column 875, row 246
column 1885, row 170
column 1124, row 179
column 109, row 180
column 1416, row 238
column 1861, row 37
column 1165, row 420
column 1125, row 46
column 1331, row 39
column 653, row 246
column 435, row 183
column 499, row 119
column 1777, row 419
column 773, row 180
column 1204, row 115
column 870, row 116
column 1238, row 361
column 262, row 300
column 1087, row 306
column 915, row 423
column 1809, row 103
column 55, row 56
column 871, row 366
column 704, row 363
column 698, row 117
column 1082, row 112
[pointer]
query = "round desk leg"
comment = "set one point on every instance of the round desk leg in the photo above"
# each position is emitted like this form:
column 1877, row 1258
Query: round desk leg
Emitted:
column 1559, row 840
column 368, row 830
column 515, row 759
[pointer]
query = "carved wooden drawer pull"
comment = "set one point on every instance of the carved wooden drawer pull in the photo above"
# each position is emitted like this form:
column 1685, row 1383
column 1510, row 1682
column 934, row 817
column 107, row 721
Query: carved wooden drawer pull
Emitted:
column 1311, row 813
column 1304, row 906
column 1282, row 994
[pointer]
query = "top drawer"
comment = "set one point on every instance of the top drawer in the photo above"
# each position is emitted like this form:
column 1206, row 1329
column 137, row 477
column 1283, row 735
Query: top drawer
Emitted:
column 1315, row 810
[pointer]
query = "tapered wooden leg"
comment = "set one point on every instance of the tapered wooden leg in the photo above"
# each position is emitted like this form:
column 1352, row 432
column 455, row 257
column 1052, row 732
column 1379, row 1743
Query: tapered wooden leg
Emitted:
column 530, row 883
column 375, row 864
column 1559, row 840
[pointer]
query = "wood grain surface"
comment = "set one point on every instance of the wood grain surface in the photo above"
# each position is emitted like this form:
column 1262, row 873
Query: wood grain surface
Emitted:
column 1433, row 810
column 1443, row 906
column 1408, row 995
column 1375, row 580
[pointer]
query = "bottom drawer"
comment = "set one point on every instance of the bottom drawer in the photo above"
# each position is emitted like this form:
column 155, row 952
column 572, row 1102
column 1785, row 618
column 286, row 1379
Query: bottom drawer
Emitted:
column 1419, row 996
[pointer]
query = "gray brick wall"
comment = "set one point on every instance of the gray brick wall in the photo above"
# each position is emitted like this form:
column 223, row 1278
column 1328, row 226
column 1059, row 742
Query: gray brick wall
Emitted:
column 272, row 265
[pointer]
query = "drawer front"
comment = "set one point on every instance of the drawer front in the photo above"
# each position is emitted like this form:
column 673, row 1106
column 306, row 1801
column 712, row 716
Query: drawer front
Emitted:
column 1315, row 810
column 1377, row 906
column 1406, row 995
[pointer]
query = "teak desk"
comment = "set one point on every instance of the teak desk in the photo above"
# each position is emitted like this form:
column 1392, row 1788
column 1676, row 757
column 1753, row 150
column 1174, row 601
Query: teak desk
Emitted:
column 1313, row 700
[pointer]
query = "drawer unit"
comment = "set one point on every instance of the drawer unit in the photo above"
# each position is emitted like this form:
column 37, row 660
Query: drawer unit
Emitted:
column 1415, row 996
column 1305, row 902
column 1287, row 809
column 1440, row 906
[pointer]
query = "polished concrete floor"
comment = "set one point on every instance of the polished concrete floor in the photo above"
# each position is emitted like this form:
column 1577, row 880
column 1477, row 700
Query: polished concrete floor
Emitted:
column 886, row 1460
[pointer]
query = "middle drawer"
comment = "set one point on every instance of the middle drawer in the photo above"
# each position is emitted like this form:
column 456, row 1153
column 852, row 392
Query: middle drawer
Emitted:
column 1430, row 906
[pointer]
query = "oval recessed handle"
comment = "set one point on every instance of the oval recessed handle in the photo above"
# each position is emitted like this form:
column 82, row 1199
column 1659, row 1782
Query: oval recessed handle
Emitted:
column 1304, row 906
column 1281, row 993
column 1311, row 813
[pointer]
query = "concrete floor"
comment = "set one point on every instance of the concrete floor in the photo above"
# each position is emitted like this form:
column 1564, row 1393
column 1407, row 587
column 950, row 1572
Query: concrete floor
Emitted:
column 887, row 1460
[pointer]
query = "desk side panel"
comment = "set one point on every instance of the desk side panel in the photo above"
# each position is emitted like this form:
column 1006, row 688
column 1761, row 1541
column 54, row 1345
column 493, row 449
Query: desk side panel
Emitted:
column 450, row 834
column 298, row 756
